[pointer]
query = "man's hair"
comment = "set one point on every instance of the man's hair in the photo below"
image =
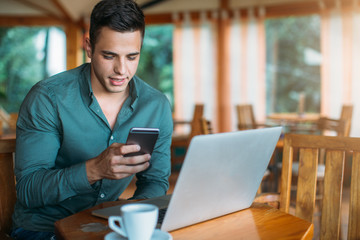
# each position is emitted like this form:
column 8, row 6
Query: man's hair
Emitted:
column 118, row 15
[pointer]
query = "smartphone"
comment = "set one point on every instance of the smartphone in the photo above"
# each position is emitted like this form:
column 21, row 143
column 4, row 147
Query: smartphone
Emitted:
column 144, row 137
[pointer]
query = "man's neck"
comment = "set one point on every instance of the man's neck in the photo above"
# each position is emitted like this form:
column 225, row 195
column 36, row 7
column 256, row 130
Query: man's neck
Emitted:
column 111, row 104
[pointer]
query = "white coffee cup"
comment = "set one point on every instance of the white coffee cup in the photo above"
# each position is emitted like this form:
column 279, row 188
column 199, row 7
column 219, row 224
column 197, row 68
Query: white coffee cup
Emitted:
column 137, row 221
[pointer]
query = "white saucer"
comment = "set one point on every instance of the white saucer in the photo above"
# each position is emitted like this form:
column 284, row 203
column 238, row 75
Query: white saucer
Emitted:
column 157, row 235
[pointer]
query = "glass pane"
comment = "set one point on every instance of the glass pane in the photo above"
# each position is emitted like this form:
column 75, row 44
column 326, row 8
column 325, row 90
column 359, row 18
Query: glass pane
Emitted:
column 28, row 55
column 293, row 64
column 156, row 65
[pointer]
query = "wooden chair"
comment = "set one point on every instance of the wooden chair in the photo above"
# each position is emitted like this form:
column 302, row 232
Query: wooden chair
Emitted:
column 346, row 114
column 7, row 124
column 7, row 185
column 324, row 123
column 183, row 140
column 324, row 126
column 195, row 127
column 309, row 147
column 206, row 127
column 245, row 117
column 341, row 127
column 12, row 121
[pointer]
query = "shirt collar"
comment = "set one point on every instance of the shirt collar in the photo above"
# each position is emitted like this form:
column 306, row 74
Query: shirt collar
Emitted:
column 85, row 84
column 134, row 92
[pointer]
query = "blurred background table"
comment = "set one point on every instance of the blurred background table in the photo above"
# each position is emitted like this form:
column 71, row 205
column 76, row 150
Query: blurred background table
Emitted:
column 294, row 117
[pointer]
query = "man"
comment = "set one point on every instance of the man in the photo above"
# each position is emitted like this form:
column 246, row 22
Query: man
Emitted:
column 70, row 130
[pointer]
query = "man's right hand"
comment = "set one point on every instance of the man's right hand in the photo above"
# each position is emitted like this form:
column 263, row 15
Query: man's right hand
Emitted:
column 112, row 164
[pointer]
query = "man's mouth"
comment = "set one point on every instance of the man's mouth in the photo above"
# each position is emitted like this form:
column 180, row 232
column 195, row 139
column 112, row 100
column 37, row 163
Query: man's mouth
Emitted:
column 117, row 81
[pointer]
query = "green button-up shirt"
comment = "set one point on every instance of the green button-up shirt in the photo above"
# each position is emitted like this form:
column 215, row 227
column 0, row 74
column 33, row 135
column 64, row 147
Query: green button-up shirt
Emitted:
column 60, row 126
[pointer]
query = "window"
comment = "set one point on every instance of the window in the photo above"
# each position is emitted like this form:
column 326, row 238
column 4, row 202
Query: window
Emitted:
column 28, row 55
column 156, row 66
column 293, row 64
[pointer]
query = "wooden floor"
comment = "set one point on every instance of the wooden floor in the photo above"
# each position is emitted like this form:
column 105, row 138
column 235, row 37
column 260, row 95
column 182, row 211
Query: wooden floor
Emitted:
column 345, row 207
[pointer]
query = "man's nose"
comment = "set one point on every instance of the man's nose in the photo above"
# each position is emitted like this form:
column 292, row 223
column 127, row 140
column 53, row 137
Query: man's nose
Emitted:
column 120, row 67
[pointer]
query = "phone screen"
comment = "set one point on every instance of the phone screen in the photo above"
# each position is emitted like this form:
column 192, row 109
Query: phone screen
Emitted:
column 145, row 138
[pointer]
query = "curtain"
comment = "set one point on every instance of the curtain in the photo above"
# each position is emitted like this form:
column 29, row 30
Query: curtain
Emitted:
column 197, row 63
column 248, row 62
column 355, row 73
column 194, row 66
column 340, row 75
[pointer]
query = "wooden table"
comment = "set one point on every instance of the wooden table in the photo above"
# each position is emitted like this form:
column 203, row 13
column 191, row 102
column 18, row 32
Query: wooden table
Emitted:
column 11, row 135
column 257, row 222
column 294, row 117
column 293, row 122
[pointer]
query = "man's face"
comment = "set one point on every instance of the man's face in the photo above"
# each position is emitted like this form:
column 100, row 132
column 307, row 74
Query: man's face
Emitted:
column 114, row 60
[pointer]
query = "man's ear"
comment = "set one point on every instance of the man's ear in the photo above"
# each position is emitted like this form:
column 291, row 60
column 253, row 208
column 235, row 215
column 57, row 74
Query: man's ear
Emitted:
column 88, row 48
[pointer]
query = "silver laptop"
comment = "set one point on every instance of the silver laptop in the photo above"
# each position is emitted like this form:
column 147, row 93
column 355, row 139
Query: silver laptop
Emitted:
column 220, row 175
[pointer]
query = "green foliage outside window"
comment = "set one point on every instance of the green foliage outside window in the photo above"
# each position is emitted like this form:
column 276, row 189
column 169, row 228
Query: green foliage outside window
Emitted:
column 293, row 63
column 21, row 65
column 156, row 65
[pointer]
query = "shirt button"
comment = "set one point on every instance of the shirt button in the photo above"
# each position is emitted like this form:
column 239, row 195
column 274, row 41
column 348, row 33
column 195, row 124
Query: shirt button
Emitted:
column 102, row 195
column 112, row 137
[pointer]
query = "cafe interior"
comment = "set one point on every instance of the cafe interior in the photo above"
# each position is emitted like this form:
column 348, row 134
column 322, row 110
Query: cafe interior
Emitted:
column 238, row 65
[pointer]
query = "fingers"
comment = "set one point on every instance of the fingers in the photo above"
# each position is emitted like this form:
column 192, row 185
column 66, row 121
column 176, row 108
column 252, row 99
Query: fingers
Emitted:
column 118, row 171
column 131, row 160
column 112, row 164
column 122, row 149
column 119, row 152
column 121, row 166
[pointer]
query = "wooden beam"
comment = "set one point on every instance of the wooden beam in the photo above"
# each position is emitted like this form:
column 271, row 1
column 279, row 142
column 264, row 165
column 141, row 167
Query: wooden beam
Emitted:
column 165, row 18
column 73, row 45
column 224, row 4
column 223, row 79
column 292, row 9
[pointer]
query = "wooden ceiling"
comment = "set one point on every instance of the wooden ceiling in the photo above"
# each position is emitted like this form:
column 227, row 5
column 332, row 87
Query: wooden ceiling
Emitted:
column 49, row 12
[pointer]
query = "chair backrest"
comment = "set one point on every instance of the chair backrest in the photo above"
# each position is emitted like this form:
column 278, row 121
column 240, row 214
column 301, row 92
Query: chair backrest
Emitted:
column 346, row 111
column 196, row 121
column 245, row 116
column 340, row 126
column 309, row 147
column 346, row 114
column 206, row 127
column 12, row 121
column 7, row 184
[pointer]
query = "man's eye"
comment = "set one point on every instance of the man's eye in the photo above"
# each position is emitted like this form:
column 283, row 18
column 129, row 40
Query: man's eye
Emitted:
column 131, row 58
column 108, row 57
